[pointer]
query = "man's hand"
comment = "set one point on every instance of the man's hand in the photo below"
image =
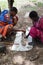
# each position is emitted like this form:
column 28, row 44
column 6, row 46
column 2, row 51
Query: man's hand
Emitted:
column 27, row 35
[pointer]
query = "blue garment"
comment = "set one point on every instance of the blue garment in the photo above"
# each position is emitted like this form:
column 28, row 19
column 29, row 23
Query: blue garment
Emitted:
column 4, row 12
column 2, row 17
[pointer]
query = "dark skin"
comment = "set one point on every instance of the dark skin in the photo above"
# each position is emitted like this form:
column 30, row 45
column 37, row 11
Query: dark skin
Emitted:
column 0, row 10
column 12, row 13
column 33, row 19
column 10, row 3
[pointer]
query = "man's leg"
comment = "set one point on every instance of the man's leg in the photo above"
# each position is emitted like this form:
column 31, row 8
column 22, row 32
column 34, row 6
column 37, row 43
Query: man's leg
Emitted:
column 10, row 3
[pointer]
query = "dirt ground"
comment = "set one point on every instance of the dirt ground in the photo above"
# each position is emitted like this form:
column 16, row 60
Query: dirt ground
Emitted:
column 23, row 58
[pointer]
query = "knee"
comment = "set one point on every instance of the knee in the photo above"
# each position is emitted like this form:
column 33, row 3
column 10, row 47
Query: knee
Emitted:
column 33, row 32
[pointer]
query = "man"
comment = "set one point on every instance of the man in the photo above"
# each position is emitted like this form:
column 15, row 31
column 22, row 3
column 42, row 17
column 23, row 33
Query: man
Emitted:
column 10, row 3
column 8, row 20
